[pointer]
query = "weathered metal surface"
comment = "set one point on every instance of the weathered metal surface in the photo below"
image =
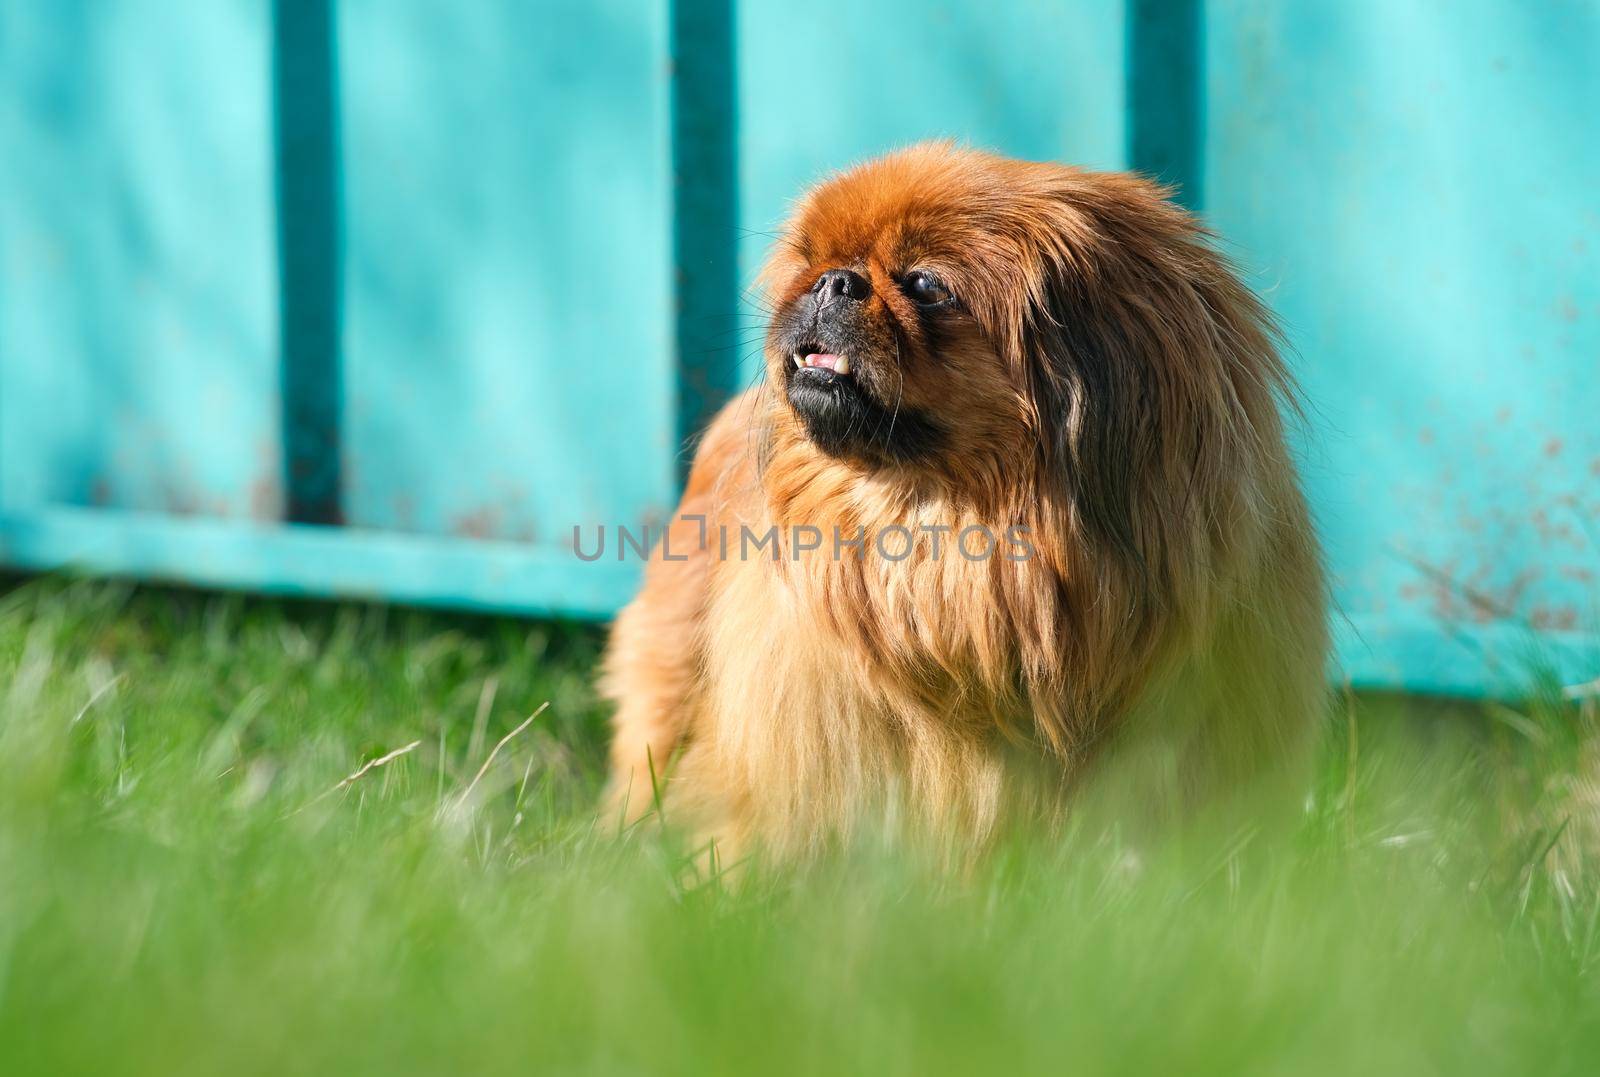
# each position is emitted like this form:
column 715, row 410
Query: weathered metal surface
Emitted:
column 492, row 252
column 138, row 318
column 816, row 94
column 508, row 283
column 1417, row 190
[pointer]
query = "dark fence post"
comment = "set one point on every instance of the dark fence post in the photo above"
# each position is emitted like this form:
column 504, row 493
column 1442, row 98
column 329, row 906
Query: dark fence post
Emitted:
column 705, row 208
column 1166, row 94
column 306, row 137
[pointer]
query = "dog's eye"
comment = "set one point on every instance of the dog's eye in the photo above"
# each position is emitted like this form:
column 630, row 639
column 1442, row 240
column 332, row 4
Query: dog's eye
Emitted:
column 925, row 288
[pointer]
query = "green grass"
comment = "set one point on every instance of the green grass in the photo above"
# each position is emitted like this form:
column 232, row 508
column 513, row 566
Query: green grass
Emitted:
column 185, row 887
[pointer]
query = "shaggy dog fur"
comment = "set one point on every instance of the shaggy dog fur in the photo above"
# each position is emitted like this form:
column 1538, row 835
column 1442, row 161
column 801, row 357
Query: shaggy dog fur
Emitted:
column 1029, row 346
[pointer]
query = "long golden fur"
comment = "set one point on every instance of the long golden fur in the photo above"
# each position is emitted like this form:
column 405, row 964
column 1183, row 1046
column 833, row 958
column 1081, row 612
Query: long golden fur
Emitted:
column 1083, row 366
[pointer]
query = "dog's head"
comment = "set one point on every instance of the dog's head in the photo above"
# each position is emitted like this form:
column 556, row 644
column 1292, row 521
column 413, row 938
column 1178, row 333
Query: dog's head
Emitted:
column 1009, row 325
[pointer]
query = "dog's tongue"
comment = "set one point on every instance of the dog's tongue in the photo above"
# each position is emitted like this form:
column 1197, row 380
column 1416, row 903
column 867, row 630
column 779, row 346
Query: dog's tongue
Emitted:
column 823, row 359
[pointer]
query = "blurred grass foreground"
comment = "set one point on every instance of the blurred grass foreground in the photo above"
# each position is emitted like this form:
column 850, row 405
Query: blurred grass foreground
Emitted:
column 250, row 837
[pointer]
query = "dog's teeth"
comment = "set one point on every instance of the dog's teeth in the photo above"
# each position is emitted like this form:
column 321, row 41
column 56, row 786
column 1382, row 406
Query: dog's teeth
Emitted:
column 799, row 360
column 843, row 365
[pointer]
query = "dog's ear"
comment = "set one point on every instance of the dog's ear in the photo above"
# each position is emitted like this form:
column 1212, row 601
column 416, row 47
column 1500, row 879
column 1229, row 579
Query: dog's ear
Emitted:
column 1155, row 380
column 1096, row 403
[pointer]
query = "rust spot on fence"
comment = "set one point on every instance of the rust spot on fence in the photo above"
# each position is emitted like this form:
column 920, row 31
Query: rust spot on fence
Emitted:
column 1553, row 618
column 265, row 492
column 1452, row 597
column 481, row 523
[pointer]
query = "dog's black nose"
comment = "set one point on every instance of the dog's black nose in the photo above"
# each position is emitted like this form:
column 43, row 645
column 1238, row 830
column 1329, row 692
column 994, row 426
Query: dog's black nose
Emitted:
column 840, row 284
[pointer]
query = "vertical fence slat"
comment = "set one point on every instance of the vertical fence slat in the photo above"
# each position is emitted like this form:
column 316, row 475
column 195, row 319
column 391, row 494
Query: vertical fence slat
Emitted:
column 705, row 210
column 306, row 131
column 1166, row 93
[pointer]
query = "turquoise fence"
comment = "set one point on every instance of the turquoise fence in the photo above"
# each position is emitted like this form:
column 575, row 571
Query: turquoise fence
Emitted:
column 383, row 297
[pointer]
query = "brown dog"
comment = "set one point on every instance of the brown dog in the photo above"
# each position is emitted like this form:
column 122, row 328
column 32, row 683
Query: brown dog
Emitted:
column 1015, row 489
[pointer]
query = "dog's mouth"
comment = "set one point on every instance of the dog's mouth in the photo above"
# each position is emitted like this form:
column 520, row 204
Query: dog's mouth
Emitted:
column 826, row 365
column 833, row 396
